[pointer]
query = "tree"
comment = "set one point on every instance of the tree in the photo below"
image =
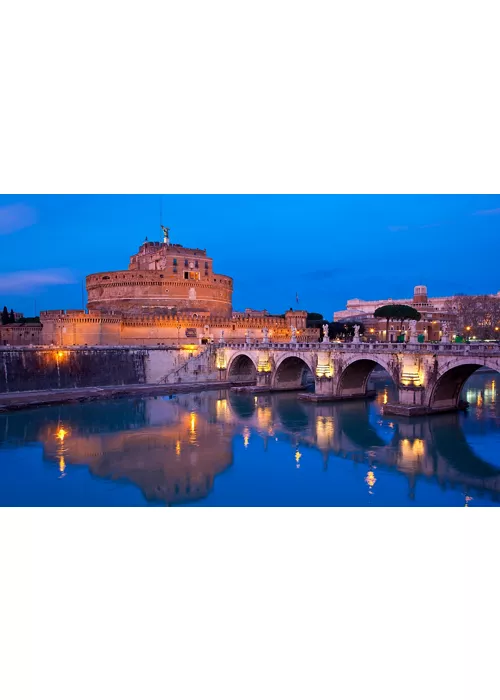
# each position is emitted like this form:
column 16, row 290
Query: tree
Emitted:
column 344, row 330
column 396, row 312
column 12, row 318
column 5, row 316
column 314, row 320
column 476, row 315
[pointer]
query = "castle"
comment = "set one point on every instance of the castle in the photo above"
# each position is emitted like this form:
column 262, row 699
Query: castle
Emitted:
column 169, row 295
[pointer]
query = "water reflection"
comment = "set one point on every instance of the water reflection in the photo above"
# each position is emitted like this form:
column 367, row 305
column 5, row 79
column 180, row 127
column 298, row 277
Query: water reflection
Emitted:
column 172, row 449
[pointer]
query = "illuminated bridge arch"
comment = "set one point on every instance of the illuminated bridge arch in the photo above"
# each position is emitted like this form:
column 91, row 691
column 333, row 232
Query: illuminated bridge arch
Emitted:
column 354, row 376
column 242, row 369
column 444, row 394
column 292, row 372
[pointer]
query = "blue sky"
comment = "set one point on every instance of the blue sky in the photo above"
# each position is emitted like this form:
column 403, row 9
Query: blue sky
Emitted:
column 326, row 248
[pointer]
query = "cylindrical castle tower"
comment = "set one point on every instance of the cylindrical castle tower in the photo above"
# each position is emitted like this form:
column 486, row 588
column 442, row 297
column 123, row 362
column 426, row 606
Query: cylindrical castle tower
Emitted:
column 162, row 279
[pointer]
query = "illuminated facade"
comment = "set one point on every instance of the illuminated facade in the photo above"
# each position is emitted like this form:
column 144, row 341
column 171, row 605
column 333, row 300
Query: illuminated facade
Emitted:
column 162, row 278
column 434, row 312
column 169, row 295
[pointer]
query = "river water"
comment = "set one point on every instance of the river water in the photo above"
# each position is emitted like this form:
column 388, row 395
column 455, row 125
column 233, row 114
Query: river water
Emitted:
column 220, row 448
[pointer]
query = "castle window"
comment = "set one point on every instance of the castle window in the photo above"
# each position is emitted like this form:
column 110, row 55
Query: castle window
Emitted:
column 196, row 263
column 175, row 261
column 185, row 263
column 206, row 266
column 186, row 275
column 175, row 270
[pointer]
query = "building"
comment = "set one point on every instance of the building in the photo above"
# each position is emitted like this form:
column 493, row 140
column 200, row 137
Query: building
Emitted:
column 21, row 334
column 169, row 295
column 162, row 278
column 434, row 312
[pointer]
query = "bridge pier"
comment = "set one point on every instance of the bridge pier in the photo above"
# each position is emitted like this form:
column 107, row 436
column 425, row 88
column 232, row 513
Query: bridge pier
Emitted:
column 410, row 402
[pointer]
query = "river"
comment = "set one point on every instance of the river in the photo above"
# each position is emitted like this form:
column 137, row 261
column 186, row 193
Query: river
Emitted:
column 219, row 448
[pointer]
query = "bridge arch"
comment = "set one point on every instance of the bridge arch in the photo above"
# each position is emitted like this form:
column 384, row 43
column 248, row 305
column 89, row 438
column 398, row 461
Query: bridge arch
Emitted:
column 241, row 368
column 444, row 394
column 292, row 372
column 354, row 376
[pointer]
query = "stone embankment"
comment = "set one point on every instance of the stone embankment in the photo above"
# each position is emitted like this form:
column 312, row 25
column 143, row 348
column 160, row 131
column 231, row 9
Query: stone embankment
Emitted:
column 32, row 399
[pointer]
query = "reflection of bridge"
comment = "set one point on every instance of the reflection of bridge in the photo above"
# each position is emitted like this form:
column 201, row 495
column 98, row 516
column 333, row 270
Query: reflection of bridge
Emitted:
column 430, row 447
column 428, row 377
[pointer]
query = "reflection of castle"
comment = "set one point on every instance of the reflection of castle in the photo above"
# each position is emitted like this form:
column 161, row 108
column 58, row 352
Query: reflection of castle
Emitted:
column 173, row 457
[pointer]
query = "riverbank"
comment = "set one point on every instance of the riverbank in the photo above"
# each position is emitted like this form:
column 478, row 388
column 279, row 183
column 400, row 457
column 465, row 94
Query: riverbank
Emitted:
column 32, row 399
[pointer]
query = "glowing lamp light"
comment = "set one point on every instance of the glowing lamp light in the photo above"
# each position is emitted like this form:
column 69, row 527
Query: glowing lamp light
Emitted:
column 409, row 377
column 324, row 371
column 264, row 365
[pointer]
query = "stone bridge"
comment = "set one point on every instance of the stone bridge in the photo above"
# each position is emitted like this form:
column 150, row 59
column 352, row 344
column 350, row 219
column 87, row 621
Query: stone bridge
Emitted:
column 428, row 377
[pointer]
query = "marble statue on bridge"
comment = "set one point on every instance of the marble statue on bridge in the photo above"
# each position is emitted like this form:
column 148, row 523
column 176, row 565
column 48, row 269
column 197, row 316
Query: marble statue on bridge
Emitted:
column 413, row 332
column 356, row 338
column 326, row 337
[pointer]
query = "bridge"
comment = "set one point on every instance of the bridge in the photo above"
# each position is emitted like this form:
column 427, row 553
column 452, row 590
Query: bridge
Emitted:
column 428, row 376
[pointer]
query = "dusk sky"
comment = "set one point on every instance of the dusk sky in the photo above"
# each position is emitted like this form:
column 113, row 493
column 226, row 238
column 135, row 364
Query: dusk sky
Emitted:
column 325, row 248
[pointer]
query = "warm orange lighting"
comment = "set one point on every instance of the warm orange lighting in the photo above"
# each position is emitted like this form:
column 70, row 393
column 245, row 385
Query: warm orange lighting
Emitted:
column 246, row 436
column 372, row 330
column 370, row 480
column 298, row 455
column 62, row 464
column 467, row 328
column 178, row 447
column 386, row 396
column 192, row 422
column 61, row 434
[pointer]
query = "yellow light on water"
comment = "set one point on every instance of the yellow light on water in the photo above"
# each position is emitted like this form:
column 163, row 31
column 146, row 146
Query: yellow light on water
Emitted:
column 246, row 436
column 61, row 434
column 178, row 447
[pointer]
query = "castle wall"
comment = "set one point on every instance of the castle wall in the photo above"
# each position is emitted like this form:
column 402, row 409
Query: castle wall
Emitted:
column 98, row 328
column 20, row 334
column 30, row 369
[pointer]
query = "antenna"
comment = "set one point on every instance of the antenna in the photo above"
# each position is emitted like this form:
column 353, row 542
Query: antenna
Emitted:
column 161, row 210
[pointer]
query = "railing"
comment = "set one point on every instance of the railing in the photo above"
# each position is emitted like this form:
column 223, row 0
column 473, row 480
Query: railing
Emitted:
column 421, row 348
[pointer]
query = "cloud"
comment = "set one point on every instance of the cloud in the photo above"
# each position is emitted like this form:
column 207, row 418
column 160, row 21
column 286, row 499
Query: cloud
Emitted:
column 487, row 212
column 394, row 229
column 15, row 217
column 24, row 282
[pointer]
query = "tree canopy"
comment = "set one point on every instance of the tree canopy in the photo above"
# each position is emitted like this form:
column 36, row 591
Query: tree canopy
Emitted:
column 5, row 316
column 343, row 330
column 400, row 312
column 314, row 320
